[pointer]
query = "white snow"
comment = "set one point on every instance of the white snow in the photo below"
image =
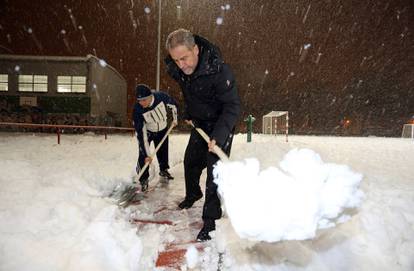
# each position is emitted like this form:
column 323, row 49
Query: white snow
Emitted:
column 289, row 204
column 191, row 257
column 55, row 216
column 102, row 63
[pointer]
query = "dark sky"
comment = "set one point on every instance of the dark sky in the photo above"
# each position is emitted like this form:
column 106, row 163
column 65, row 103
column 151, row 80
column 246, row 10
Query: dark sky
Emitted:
column 324, row 61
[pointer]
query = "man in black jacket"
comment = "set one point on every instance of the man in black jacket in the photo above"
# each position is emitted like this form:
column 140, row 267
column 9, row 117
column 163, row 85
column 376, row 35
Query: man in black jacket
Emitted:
column 212, row 104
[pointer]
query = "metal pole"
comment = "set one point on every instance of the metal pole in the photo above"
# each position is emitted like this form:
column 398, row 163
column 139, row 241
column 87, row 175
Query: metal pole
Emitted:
column 263, row 125
column 412, row 131
column 159, row 46
column 276, row 126
column 58, row 135
column 287, row 126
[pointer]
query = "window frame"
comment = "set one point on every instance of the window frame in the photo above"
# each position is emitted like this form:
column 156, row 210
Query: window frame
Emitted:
column 4, row 82
column 72, row 84
column 38, row 83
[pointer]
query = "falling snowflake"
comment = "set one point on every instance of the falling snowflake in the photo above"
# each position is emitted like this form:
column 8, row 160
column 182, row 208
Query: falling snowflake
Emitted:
column 102, row 62
column 219, row 20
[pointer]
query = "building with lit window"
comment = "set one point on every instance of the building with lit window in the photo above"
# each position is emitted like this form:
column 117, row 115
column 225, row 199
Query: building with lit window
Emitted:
column 61, row 90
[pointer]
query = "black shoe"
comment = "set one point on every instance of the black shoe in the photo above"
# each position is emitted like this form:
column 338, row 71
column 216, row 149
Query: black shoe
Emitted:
column 166, row 174
column 144, row 185
column 204, row 234
column 188, row 203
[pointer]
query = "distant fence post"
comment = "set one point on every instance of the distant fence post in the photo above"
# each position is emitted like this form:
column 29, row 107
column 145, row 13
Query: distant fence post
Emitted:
column 58, row 135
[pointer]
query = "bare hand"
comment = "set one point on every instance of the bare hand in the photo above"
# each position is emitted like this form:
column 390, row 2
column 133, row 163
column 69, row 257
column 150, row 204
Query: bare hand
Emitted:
column 211, row 145
column 174, row 123
column 189, row 122
column 148, row 160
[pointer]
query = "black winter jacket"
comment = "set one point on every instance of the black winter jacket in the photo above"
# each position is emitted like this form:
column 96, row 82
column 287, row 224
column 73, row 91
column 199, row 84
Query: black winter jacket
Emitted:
column 210, row 93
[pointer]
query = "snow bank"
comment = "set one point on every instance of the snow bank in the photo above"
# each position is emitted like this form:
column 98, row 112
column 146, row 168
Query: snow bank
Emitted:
column 290, row 203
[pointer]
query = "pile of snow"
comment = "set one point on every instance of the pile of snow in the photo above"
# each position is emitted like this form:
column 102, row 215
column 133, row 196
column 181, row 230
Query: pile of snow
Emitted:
column 290, row 203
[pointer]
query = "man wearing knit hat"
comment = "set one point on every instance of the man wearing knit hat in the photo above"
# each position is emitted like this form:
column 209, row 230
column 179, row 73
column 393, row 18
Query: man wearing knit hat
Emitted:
column 150, row 122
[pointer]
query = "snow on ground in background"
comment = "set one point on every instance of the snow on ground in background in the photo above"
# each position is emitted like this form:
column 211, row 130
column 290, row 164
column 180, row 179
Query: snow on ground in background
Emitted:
column 287, row 204
column 54, row 216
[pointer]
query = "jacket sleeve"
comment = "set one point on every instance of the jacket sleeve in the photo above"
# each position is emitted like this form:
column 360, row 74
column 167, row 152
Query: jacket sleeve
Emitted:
column 185, row 115
column 170, row 103
column 140, row 130
column 228, row 99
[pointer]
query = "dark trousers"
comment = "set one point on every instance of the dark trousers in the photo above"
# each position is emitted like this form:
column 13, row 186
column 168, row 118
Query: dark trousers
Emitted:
column 162, row 154
column 196, row 158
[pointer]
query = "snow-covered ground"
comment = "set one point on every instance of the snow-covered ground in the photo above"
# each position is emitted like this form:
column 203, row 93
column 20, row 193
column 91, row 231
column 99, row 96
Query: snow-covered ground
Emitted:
column 54, row 214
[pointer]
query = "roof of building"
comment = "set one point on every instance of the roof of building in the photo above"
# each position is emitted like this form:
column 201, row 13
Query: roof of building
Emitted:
column 46, row 58
column 276, row 113
column 59, row 59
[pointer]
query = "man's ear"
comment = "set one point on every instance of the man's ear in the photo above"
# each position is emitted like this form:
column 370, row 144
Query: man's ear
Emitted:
column 196, row 50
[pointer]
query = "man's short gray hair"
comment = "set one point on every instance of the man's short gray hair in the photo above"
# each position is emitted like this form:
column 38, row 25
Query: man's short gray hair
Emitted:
column 180, row 37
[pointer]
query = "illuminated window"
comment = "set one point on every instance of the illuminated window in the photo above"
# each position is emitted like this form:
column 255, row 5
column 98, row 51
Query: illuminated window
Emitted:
column 4, row 82
column 33, row 83
column 74, row 84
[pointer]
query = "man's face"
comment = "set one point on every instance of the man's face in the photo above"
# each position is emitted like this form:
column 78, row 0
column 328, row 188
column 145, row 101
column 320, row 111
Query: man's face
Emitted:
column 145, row 102
column 186, row 59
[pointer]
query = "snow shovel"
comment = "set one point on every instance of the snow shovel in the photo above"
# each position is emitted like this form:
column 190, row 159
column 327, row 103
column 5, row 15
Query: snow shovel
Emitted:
column 220, row 153
column 129, row 193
